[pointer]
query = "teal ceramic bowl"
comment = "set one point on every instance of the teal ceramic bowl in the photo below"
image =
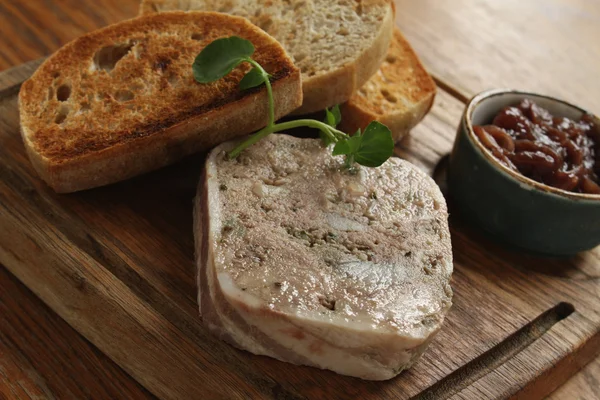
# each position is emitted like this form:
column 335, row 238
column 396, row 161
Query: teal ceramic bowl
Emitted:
column 515, row 209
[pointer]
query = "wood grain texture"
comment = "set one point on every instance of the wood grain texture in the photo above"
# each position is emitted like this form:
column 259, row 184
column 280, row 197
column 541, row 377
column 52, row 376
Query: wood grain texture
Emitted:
column 31, row 30
column 35, row 28
column 582, row 386
column 117, row 264
column 538, row 45
column 40, row 354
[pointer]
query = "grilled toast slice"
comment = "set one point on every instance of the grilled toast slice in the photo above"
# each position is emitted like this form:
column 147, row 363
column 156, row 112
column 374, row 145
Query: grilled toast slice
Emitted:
column 338, row 45
column 122, row 100
column 399, row 95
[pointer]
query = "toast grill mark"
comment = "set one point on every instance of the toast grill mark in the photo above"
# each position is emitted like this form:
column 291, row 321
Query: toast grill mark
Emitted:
column 82, row 145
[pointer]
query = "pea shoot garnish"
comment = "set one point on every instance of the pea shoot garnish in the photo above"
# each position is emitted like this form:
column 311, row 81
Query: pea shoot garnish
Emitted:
column 370, row 148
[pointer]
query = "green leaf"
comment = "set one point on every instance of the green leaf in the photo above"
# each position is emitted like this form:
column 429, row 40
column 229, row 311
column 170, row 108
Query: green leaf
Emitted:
column 376, row 145
column 329, row 118
column 337, row 114
column 333, row 117
column 220, row 57
column 342, row 147
column 347, row 146
column 253, row 78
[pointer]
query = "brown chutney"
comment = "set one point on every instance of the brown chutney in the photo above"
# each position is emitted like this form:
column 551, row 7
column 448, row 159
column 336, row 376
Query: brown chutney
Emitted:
column 556, row 151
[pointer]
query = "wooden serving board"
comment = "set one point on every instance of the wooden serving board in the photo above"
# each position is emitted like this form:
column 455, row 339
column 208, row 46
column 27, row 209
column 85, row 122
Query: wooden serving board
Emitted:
column 117, row 264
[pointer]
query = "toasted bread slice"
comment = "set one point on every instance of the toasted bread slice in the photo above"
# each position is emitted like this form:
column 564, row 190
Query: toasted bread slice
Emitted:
column 122, row 100
column 338, row 45
column 399, row 95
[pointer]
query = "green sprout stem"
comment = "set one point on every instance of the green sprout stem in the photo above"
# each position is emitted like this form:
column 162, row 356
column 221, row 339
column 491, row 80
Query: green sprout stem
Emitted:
column 272, row 127
column 331, row 132
column 349, row 160
column 265, row 75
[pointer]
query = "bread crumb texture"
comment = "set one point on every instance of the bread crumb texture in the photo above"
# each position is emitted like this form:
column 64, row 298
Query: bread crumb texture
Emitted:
column 320, row 35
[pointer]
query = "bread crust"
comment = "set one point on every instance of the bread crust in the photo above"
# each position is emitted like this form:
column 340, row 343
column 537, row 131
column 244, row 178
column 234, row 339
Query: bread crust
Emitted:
column 104, row 156
column 403, row 79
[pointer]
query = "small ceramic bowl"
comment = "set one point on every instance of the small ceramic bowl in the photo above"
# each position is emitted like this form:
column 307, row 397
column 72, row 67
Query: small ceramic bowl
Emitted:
column 513, row 208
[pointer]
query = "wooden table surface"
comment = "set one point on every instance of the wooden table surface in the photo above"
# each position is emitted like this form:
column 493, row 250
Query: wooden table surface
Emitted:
column 548, row 46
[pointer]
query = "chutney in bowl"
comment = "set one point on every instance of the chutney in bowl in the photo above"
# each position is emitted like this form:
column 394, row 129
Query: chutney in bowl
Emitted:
column 514, row 208
column 556, row 151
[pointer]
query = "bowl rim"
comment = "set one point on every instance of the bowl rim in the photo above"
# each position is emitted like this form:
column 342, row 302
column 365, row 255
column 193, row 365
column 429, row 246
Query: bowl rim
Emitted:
column 467, row 118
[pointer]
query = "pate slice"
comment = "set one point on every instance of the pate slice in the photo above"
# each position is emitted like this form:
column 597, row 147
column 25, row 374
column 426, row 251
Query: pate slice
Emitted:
column 301, row 260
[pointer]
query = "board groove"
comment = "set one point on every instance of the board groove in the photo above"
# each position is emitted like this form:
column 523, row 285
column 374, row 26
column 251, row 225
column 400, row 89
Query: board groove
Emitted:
column 117, row 264
column 451, row 89
column 497, row 355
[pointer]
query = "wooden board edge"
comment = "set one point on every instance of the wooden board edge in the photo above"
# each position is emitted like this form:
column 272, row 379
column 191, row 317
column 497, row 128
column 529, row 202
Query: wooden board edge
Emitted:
column 12, row 79
column 563, row 349
column 560, row 372
column 545, row 341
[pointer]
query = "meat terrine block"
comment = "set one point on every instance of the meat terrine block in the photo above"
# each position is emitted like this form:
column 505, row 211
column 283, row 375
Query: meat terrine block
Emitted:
column 307, row 262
